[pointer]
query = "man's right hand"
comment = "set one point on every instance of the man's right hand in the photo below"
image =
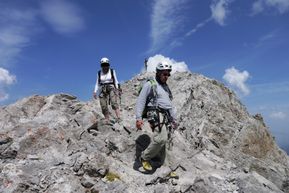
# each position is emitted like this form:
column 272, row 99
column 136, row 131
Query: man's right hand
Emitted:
column 139, row 124
column 94, row 95
column 175, row 125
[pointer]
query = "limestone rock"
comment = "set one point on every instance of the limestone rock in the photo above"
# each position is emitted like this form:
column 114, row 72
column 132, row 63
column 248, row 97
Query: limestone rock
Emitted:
column 59, row 144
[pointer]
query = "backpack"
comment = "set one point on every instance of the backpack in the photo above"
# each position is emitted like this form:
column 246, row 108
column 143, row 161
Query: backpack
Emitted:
column 112, row 76
column 152, row 95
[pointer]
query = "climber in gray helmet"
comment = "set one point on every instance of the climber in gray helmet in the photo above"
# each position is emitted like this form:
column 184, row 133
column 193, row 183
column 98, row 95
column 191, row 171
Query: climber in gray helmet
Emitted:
column 155, row 104
column 106, row 88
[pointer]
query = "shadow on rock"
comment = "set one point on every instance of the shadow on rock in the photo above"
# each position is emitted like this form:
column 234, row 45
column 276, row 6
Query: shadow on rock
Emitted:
column 141, row 143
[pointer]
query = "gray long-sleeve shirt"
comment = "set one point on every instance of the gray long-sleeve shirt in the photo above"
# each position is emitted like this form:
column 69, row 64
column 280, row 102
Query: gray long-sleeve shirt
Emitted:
column 163, row 100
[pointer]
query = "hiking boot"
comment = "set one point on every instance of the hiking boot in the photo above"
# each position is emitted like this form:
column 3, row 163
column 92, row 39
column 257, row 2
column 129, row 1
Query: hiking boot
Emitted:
column 146, row 165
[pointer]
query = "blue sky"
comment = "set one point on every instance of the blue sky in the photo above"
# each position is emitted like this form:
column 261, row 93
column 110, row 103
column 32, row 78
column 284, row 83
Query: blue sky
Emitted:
column 52, row 46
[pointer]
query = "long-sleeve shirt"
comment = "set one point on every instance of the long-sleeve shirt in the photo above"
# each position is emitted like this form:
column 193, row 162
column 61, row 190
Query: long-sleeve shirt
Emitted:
column 105, row 78
column 163, row 100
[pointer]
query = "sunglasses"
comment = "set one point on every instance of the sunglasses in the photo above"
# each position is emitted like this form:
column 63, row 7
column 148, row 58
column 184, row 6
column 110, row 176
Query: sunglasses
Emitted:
column 166, row 74
column 104, row 65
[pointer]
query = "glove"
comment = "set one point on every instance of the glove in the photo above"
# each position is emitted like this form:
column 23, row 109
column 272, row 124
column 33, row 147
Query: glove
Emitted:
column 139, row 124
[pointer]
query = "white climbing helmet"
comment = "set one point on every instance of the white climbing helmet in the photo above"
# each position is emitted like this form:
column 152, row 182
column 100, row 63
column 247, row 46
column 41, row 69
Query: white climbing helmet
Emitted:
column 104, row 61
column 164, row 66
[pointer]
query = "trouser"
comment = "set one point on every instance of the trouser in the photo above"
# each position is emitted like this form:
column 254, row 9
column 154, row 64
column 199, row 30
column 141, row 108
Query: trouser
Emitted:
column 107, row 95
column 157, row 147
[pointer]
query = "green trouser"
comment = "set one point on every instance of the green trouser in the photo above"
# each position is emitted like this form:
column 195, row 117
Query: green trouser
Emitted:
column 157, row 147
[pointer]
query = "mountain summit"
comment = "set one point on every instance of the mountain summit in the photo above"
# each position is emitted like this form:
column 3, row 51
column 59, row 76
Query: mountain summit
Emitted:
column 61, row 145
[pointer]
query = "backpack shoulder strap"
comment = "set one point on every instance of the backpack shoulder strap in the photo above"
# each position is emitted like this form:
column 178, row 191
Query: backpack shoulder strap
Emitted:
column 112, row 76
column 153, row 93
column 99, row 74
column 153, row 87
column 152, row 96
column 170, row 93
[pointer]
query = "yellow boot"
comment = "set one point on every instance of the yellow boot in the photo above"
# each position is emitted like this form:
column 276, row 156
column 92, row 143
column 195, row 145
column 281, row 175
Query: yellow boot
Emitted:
column 146, row 165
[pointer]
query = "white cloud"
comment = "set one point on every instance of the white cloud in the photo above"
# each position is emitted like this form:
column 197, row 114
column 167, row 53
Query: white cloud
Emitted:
column 257, row 7
column 237, row 79
column 263, row 40
column 16, row 29
column 3, row 96
column 267, row 37
column 176, row 66
column 220, row 10
column 278, row 115
column 6, row 79
column 198, row 26
column 19, row 26
column 63, row 16
column 271, row 88
column 166, row 19
column 12, row 40
column 260, row 5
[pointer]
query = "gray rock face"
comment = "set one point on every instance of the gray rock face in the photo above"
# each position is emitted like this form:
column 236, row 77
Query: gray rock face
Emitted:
column 59, row 144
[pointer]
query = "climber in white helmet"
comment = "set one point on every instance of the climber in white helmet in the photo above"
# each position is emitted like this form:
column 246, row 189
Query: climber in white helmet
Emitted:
column 155, row 104
column 106, row 88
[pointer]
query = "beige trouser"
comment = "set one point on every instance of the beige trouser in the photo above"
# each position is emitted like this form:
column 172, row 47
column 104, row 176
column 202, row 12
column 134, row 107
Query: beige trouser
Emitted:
column 104, row 100
column 157, row 147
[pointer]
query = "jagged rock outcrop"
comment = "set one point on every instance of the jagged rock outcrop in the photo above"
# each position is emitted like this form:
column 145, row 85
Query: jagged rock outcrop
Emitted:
column 59, row 144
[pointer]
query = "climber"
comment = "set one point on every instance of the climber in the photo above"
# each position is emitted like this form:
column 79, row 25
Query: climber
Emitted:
column 155, row 99
column 106, row 88
column 146, row 64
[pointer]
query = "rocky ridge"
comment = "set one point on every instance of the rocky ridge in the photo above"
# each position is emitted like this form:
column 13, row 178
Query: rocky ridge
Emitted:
column 59, row 144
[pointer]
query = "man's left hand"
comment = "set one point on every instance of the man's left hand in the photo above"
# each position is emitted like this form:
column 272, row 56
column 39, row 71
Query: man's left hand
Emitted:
column 175, row 125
